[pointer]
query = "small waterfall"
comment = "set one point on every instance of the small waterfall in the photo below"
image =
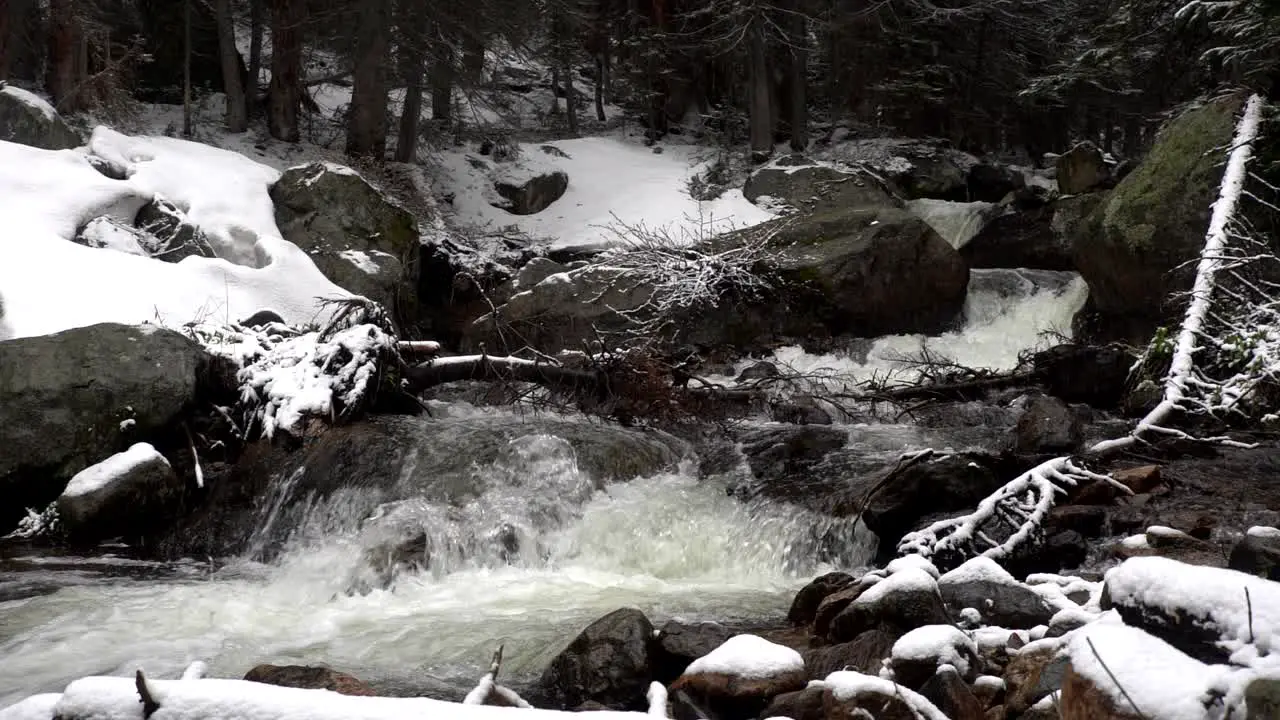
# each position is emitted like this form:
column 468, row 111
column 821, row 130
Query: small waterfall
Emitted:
column 956, row 222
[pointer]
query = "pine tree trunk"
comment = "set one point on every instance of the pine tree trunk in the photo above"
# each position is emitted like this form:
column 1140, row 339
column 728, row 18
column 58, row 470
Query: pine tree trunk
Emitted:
column 8, row 33
column 237, row 103
column 798, row 82
column 413, row 67
column 186, row 68
column 442, row 75
column 285, row 93
column 601, row 79
column 760, row 110
column 64, row 36
column 472, row 57
column 257, row 21
column 367, row 122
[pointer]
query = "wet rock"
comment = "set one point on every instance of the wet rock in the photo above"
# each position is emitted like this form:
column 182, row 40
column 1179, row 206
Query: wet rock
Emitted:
column 721, row 685
column 816, row 188
column 610, row 662
column 356, row 235
column 71, row 399
column 799, row 705
column 865, row 653
column 679, row 644
column 1257, row 553
column 918, row 655
column 1021, row 239
column 533, row 194
column 1081, row 169
column 1093, row 375
column 759, row 371
column 309, row 678
column 27, row 119
column 906, row 600
column 126, row 494
column 949, row 693
column 1047, row 425
column 1032, row 674
column 992, row 182
column 804, row 608
column 1088, row 520
column 1063, row 550
column 981, row 583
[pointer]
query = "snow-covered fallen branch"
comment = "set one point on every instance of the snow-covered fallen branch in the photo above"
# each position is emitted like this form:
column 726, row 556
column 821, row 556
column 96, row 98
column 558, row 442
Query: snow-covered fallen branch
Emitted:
column 1004, row 521
column 489, row 692
column 1183, row 380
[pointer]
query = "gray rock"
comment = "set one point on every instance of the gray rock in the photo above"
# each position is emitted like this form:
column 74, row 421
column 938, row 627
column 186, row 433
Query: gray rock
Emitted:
column 907, row 600
column 1257, row 553
column 1020, row 239
column 681, row 643
column 1081, row 169
column 1047, row 425
column 125, row 494
column 532, row 195
column 864, row 654
column 610, row 662
column 27, row 119
column 357, row 236
column 70, row 399
column 982, row 584
column 817, row 188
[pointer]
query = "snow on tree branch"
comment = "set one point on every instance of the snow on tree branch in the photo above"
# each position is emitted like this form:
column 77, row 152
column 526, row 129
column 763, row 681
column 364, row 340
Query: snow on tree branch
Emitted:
column 1004, row 521
column 1249, row 331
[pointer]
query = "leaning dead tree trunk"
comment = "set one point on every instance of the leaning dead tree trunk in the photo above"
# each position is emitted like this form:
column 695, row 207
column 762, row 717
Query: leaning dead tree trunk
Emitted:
column 1182, row 370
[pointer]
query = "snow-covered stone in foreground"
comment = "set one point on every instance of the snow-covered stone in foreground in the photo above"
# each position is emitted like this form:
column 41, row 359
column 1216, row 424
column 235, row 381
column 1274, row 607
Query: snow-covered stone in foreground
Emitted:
column 908, row 599
column 919, row 654
column 26, row 118
column 748, row 656
column 913, row 560
column 121, row 493
column 36, row 707
column 853, row 690
column 109, row 698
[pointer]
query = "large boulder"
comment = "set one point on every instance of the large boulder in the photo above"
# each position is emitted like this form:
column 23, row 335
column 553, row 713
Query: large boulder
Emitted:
column 27, row 119
column 1081, row 169
column 71, row 399
column 1135, row 248
column 357, row 236
column 610, row 663
column 532, row 193
column 737, row 679
column 804, row 185
column 981, row 584
column 125, row 494
column 1020, row 239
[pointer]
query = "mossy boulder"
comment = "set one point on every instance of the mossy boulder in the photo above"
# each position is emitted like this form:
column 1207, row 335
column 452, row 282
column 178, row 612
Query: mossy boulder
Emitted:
column 1134, row 248
column 361, row 239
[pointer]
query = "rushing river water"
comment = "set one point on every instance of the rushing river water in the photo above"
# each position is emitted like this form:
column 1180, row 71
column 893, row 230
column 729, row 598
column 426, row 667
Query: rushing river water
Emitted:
column 668, row 544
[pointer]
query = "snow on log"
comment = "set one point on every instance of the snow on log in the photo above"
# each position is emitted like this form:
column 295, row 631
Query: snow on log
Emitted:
column 113, row 698
column 1016, row 511
column 1182, row 368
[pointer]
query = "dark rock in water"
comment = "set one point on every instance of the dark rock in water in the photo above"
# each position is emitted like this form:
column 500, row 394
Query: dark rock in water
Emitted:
column 863, row 654
column 309, row 678
column 1093, row 375
column 1081, row 169
column 776, row 453
column 124, row 495
column 800, row 705
column 71, row 399
column 610, row 662
column 1047, row 425
column 681, row 643
column 1023, row 239
column 27, row 119
column 532, row 195
column 1257, row 553
column 759, row 371
column 992, row 182
column 804, row 608
column 834, row 604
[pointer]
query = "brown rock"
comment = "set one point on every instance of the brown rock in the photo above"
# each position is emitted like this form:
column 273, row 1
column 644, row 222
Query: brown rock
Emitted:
column 309, row 678
column 864, row 654
column 1030, row 675
column 1082, row 701
column 1142, row 479
column 1088, row 520
column 800, row 705
column 805, row 606
column 949, row 693
column 832, row 605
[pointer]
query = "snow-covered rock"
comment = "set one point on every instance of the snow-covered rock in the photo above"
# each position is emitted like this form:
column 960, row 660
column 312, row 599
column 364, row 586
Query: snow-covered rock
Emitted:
column 745, row 672
column 905, row 600
column 949, row 692
column 1034, row 672
column 680, row 643
column 982, row 584
column 1257, row 553
column 65, row 399
column 26, row 118
column 357, row 236
column 36, row 707
column 123, row 495
column 919, row 654
column 853, row 695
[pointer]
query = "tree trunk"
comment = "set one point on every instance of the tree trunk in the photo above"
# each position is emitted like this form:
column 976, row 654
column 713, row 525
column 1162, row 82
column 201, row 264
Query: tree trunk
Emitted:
column 64, row 37
column 760, row 109
column 186, row 68
column 367, row 122
column 284, row 95
column 442, row 76
column 472, row 57
column 798, row 82
column 8, row 34
column 413, row 68
column 257, row 17
column 601, row 79
column 237, row 102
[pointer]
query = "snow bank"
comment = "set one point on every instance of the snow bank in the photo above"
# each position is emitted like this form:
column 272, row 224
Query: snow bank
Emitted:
column 106, row 698
column 748, row 656
column 36, row 707
column 611, row 179
column 96, row 477
column 49, row 284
